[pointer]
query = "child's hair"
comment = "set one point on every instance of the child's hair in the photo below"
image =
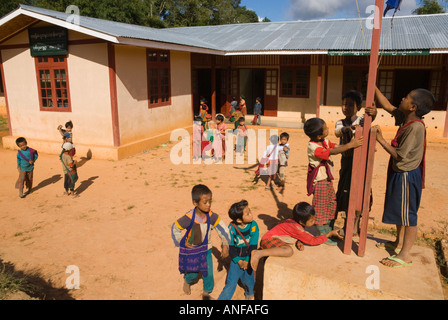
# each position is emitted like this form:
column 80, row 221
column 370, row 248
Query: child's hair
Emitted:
column 236, row 210
column 424, row 100
column 242, row 119
column 354, row 95
column 302, row 212
column 258, row 99
column 69, row 124
column 274, row 139
column 198, row 191
column 284, row 135
column 220, row 117
column 313, row 127
column 20, row 140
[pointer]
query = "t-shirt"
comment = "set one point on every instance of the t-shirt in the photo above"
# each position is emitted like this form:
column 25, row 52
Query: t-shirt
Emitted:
column 238, row 249
column 317, row 153
column 410, row 145
column 199, row 229
column 290, row 231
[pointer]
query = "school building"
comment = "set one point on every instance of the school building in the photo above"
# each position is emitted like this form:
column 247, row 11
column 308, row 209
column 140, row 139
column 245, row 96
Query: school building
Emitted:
column 127, row 87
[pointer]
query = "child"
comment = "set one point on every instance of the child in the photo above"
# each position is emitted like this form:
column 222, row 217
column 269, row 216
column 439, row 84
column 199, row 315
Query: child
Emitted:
column 269, row 160
column 244, row 234
column 320, row 175
column 406, row 172
column 233, row 107
column 257, row 112
column 67, row 135
column 221, row 138
column 283, row 156
column 196, row 231
column 203, row 112
column 351, row 104
column 26, row 157
column 278, row 241
column 69, row 169
column 241, row 136
column 243, row 105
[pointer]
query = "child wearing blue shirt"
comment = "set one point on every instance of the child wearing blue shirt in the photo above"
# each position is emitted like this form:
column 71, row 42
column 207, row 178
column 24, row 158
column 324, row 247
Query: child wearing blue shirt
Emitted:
column 244, row 235
column 26, row 157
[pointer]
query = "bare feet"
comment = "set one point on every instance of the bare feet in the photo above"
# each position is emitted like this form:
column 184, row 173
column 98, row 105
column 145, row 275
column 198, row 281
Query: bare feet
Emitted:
column 186, row 288
column 299, row 245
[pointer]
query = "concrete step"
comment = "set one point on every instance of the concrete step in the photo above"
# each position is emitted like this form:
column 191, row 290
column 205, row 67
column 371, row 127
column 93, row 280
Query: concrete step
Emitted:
column 326, row 273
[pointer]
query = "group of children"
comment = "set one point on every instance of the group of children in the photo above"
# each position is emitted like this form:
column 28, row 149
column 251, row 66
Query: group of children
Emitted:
column 405, row 181
column 26, row 158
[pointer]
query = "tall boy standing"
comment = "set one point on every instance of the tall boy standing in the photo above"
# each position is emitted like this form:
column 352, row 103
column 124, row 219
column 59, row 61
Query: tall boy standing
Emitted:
column 406, row 172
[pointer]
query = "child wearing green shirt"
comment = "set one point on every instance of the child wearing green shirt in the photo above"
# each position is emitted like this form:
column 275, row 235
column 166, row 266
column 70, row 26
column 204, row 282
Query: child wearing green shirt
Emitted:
column 244, row 235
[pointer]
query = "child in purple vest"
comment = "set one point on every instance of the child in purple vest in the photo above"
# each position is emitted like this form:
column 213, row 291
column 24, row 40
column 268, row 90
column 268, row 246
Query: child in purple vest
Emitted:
column 26, row 157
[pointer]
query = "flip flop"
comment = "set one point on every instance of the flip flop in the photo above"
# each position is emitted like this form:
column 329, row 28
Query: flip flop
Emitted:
column 388, row 245
column 401, row 262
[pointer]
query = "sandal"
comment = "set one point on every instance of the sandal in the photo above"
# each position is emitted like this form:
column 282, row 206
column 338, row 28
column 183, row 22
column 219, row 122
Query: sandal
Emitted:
column 388, row 246
column 400, row 262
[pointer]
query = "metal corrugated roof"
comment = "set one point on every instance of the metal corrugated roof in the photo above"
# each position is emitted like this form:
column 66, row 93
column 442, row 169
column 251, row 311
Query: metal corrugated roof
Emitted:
column 407, row 33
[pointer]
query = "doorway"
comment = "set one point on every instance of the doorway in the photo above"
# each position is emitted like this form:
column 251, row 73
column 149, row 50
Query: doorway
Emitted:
column 407, row 80
column 252, row 86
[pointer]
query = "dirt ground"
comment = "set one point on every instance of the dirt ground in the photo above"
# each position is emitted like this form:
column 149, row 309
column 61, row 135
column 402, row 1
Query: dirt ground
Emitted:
column 117, row 232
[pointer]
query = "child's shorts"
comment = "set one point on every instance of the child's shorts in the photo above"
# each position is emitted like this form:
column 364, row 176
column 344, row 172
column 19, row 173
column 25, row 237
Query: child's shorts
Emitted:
column 403, row 194
column 272, row 243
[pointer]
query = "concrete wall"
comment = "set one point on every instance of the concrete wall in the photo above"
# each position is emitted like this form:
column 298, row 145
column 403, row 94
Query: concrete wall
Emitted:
column 138, row 121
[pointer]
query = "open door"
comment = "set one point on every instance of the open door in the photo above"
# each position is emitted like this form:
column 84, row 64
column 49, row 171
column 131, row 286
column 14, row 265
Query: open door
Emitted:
column 270, row 103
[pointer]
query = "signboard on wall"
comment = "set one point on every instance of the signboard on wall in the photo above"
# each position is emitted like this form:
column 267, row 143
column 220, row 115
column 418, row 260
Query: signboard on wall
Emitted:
column 48, row 41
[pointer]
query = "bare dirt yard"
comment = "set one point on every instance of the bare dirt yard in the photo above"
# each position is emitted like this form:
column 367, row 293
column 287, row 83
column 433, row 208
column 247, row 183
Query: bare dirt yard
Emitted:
column 118, row 231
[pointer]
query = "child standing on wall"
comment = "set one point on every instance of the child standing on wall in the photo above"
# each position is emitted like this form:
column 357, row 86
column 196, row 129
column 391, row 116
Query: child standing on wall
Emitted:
column 67, row 135
column 406, row 171
column 244, row 234
column 26, row 157
column 196, row 226
column 320, row 173
column 345, row 130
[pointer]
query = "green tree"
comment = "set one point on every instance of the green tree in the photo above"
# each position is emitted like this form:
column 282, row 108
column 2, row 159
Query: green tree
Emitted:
column 152, row 13
column 429, row 7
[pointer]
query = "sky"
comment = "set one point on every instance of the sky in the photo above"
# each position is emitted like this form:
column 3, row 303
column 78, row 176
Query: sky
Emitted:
column 289, row 10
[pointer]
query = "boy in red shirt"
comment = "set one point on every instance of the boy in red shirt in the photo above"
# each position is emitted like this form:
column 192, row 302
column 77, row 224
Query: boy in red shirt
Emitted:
column 278, row 241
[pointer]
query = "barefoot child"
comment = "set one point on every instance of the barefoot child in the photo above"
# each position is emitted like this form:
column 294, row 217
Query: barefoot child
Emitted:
column 406, row 172
column 244, row 234
column 320, row 172
column 26, row 157
column 69, row 169
column 198, row 224
column 283, row 156
column 269, row 162
column 279, row 240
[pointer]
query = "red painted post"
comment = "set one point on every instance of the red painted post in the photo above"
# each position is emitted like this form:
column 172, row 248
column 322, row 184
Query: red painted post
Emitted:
column 445, row 130
column 366, row 196
column 359, row 178
column 356, row 188
column 319, row 87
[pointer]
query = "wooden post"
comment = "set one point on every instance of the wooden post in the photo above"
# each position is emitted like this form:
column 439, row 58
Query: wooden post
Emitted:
column 319, row 86
column 445, row 130
column 360, row 178
column 213, row 88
